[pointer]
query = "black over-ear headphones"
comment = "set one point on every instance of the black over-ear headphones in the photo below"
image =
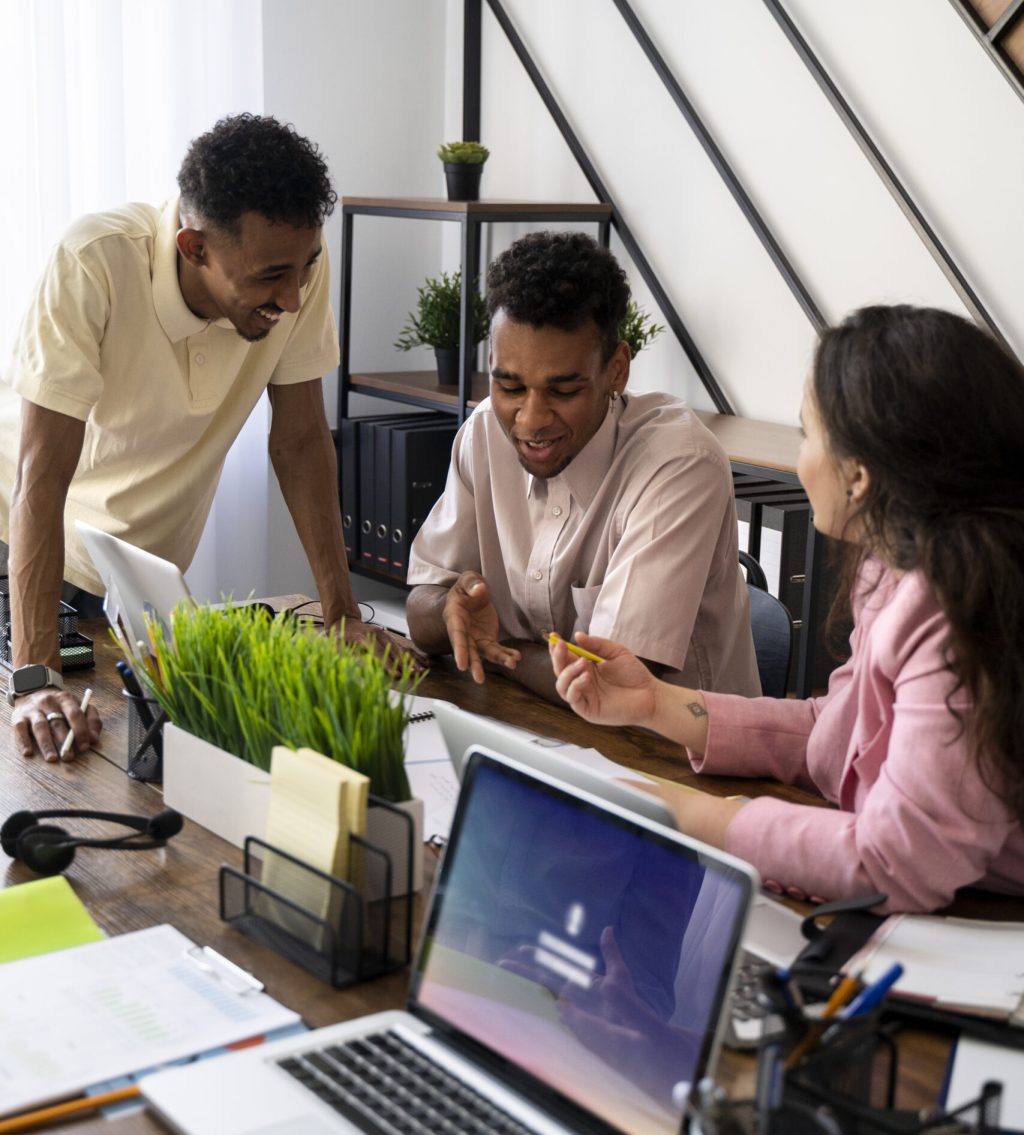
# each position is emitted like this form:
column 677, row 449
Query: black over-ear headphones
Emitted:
column 48, row 849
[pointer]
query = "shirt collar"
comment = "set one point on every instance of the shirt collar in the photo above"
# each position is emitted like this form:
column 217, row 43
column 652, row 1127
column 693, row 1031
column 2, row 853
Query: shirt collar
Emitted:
column 585, row 474
column 175, row 317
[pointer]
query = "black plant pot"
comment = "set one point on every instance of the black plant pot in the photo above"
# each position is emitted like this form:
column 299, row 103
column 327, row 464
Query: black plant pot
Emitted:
column 447, row 365
column 463, row 180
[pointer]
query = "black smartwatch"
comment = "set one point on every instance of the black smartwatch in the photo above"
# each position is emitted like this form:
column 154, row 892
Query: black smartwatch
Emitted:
column 28, row 679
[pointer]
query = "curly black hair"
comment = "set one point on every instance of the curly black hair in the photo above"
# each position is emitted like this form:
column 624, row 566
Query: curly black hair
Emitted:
column 560, row 280
column 252, row 163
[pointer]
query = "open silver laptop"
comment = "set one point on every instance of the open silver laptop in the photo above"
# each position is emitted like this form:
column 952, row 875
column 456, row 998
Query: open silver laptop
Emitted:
column 464, row 731
column 137, row 582
column 571, row 976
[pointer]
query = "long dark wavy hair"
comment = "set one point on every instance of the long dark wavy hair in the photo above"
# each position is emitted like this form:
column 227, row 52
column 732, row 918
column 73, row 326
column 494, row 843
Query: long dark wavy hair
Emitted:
column 933, row 408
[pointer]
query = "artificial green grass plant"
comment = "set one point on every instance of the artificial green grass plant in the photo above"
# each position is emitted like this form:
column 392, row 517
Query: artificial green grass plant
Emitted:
column 246, row 681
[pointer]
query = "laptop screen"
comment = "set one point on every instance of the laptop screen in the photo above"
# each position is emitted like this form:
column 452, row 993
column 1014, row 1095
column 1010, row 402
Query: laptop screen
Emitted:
column 588, row 951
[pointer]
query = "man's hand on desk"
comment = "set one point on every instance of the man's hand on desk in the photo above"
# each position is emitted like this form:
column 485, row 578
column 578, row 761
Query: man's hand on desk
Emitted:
column 473, row 627
column 382, row 640
column 42, row 719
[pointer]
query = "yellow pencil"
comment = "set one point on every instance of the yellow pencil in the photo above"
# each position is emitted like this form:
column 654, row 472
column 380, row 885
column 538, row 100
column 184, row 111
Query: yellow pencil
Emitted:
column 32, row 1119
column 841, row 995
column 554, row 636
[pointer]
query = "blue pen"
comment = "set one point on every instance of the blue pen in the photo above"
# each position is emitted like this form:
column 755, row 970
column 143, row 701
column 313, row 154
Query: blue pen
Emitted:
column 872, row 996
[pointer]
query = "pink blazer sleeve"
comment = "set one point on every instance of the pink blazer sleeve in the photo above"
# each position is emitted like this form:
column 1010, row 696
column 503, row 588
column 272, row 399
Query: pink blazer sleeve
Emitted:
column 915, row 819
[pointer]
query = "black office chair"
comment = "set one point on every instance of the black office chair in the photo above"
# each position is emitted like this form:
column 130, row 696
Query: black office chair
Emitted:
column 773, row 630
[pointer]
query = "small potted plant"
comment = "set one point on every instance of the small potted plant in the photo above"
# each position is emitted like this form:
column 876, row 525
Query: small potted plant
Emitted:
column 236, row 681
column 463, row 166
column 436, row 323
column 638, row 329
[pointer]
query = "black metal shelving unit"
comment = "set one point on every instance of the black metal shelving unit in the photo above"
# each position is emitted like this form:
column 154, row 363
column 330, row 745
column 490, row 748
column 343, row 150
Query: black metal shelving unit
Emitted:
column 421, row 388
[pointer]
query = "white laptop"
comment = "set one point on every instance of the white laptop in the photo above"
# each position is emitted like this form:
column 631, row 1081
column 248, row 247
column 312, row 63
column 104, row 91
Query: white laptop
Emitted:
column 137, row 582
column 464, row 731
column 571, row 974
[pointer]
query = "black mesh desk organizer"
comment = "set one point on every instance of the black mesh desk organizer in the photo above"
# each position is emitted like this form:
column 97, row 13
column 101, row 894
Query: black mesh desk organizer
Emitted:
column 75, row 648
column 349, row 933
column 844, row 1085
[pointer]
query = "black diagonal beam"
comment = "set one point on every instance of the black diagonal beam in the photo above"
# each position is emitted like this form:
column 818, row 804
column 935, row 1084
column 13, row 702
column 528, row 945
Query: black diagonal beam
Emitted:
column 988, row 38
column 885, row 172
column 472, row 21
column 1006, row 21
column 625, row 234
column 725, row 171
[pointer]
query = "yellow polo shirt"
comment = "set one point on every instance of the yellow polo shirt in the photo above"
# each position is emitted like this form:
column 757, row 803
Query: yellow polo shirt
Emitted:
column 109, row 339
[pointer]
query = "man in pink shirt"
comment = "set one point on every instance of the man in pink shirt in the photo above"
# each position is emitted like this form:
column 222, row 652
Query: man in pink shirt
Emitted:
column 573, row 506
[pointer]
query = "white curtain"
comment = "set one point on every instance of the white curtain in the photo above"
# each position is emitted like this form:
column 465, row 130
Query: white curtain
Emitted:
column 101, row 99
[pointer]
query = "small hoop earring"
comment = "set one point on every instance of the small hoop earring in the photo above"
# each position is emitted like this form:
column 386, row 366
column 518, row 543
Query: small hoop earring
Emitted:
column 849, row 494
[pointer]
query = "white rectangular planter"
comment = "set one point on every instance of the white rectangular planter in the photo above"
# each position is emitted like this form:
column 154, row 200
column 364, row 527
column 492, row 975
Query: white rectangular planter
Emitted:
column 227, row 795
column 231, row 798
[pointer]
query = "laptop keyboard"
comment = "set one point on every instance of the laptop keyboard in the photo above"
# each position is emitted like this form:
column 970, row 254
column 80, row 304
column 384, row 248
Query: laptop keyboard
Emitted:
column 385, row 1086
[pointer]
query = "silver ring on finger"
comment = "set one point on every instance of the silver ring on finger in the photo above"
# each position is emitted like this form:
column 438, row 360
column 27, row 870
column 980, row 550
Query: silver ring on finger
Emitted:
column 55, row 716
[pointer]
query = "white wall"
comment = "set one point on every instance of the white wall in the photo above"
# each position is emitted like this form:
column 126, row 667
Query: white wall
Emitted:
column 366, row 82
column 935, row 104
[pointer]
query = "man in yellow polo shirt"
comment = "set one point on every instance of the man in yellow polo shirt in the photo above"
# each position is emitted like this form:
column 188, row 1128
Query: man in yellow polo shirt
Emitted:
column 150, row 338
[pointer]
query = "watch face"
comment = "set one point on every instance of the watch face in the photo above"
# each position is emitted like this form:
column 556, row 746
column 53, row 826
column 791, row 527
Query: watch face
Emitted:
column 28, row 678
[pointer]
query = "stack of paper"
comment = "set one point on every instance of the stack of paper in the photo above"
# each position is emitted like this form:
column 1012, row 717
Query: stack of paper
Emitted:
column 958, row 964
column 90, row 1013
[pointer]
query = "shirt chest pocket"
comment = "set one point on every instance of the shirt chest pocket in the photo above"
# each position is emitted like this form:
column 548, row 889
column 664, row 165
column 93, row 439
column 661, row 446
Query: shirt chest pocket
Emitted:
column 584, row 600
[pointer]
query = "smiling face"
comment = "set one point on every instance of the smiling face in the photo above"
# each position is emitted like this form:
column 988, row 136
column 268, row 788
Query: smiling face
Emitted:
column 551, row 390
column 250, row 279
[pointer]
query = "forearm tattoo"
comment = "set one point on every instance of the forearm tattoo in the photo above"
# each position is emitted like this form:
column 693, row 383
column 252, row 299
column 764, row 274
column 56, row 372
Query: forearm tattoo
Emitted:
column 696, row 709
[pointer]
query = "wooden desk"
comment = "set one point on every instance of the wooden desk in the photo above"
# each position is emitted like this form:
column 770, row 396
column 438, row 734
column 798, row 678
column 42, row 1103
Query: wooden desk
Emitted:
column 130, row 891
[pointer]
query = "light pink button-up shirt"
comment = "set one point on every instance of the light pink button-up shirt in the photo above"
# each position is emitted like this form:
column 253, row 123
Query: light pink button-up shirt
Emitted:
column 915, row 819
column 634, row 540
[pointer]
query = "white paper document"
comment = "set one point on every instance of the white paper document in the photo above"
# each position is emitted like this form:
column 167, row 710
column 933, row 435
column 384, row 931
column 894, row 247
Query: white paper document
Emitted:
column 88, row 1014
column 975, row 1062
column 961, row 964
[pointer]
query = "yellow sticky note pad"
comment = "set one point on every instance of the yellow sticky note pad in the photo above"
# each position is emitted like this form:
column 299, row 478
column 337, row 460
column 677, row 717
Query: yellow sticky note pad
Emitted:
column 41, row 916
column 315, row 804
column 310, row 812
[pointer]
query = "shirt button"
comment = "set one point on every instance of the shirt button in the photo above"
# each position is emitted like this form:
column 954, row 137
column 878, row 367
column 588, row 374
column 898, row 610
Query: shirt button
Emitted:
column 199, row 359
column 773, row 886
column 538, row 575
column 557, row 510
column 797, row 893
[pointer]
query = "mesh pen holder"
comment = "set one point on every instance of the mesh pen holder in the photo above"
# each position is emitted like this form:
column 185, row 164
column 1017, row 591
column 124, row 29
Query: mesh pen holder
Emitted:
column 850, row 1074
column 145, row 738
column 842, row 1084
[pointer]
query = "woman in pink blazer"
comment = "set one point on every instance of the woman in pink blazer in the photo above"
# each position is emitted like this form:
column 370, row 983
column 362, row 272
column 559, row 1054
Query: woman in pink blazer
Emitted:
column 913, row 455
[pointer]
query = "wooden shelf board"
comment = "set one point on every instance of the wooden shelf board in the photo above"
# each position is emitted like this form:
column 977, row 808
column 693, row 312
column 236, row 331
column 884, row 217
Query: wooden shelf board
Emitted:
column 767, row 445
column 421, row 384
column 597, row 209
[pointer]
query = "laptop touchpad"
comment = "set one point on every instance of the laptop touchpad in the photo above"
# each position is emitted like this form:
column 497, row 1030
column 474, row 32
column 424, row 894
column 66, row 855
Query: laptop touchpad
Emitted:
column 301, row 1125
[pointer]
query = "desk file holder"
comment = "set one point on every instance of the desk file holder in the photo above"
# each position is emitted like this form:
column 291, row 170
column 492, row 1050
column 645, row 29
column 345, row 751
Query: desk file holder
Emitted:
column 145, row 738
column 356, row 934
column 76, row 651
